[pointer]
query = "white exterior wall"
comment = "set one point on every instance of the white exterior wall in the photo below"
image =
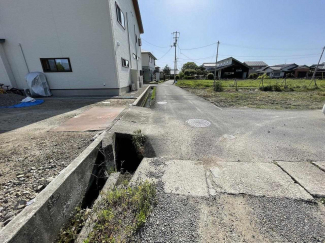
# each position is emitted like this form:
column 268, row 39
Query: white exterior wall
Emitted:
column 145, row 61
column 4, row 78
column 78, row 29
column 124, row 50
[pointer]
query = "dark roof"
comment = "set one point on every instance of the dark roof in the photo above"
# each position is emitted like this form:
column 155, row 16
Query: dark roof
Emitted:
column 212, row 64
column 138, row 14
column 302, row 66
column 255, row 63
column 283, row 65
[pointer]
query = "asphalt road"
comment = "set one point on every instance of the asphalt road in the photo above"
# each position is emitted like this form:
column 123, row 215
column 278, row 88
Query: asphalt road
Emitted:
column 253, row 135
column 202, row 195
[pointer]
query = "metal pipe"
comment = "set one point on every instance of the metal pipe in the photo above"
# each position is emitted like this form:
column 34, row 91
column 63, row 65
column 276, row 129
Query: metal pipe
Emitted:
column 21, row 48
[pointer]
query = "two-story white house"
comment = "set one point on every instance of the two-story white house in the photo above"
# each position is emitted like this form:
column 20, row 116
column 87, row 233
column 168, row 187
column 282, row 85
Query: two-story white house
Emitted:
column 84, row 47
column 148, row 65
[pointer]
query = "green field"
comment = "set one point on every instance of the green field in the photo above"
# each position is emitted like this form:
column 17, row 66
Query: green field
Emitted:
column 298, row 95
column 296, row 84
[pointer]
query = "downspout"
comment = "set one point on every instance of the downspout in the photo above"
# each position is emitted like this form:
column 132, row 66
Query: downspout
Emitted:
column 127, row 22
column 21, row 48
column 136, row 51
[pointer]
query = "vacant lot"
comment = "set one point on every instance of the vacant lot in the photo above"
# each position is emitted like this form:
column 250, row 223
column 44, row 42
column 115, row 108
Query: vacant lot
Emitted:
column 298, row 94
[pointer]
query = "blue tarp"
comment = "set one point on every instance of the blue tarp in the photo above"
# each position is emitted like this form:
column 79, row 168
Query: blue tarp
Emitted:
column 24, row 104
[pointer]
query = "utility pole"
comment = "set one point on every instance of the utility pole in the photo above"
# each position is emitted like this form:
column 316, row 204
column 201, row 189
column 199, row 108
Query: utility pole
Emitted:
column 215, row 68
column 313, row 78
column 176, row 36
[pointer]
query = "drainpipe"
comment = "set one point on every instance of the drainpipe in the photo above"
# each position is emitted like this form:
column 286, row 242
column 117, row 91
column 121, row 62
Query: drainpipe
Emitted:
column 21, row 48
column 127, row 23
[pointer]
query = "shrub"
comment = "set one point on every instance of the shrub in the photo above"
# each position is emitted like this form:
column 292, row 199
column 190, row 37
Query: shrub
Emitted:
column 263, row 76
column 218, row 87
column 177, row 77
column 210, row 76
column 277, row 88
column 266, row 88
column 253, row 76
column 189, row 77
column 181, row 75
column 190, row 72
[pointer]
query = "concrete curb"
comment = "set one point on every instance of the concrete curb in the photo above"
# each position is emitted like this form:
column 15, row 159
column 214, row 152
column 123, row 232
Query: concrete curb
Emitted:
column 140, row 99
column 42, row 220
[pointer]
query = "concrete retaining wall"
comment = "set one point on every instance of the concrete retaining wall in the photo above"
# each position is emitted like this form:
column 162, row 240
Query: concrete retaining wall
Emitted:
column 42, row 221
column 141, row 99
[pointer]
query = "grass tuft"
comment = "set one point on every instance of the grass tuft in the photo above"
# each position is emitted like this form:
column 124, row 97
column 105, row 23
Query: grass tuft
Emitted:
column 122, row 212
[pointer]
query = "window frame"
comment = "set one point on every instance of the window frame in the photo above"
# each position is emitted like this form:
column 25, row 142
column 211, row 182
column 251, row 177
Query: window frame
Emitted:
column 55, row 58
column 117, row 7
column 128, row 63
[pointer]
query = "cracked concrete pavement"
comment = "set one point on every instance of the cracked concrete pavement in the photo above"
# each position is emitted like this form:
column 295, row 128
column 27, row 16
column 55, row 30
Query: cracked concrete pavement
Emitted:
column 245, row 174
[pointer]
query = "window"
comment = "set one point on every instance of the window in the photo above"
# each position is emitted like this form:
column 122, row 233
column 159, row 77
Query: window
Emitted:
column 56, row 64
column 120, row 16
column 125, row 63
column 150, row 59
column 140, row 42
column 134, row 56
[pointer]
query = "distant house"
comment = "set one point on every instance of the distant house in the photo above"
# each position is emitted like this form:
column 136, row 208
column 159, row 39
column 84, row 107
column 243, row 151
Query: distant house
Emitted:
column 278, row 71
column 172, row 72
column 255, row 65
column 301, row 71
column 148, row 65
column 83, row 47
column 228, row 68
column 320, row 73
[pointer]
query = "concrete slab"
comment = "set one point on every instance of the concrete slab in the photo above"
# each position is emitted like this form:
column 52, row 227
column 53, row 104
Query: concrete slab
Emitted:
column 258, row 179
column 186, row 178
column 182, row 177
column 94, row 119
column 308, row 175
column 320, row 164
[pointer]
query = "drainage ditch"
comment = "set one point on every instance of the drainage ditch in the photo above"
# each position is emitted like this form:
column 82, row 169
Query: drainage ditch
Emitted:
column 124, row 156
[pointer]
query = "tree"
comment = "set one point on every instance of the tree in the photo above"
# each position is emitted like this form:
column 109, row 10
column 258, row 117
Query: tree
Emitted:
column 201, row 70
column 189, row 65
column 166, row 70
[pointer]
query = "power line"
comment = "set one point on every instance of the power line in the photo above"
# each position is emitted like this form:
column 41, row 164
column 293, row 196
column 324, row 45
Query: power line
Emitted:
column 165, row 53
column 154, row 44
column 194, row 48
column 197, row 58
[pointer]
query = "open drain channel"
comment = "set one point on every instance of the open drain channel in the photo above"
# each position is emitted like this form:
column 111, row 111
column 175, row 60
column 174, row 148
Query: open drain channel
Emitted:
column 124, row 155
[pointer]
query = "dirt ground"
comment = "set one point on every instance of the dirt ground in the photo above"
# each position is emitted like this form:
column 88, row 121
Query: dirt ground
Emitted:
column 31, row 155
column 265, row 100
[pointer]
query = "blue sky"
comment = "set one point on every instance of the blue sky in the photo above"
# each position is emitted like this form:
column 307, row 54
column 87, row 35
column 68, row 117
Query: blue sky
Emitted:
column 287, row 31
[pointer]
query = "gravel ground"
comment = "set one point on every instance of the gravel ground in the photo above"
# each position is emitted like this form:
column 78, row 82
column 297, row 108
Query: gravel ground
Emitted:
column 10, row 99
column 289, row 220
column 174, row 219
column 30, row 162
column 32, row 155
